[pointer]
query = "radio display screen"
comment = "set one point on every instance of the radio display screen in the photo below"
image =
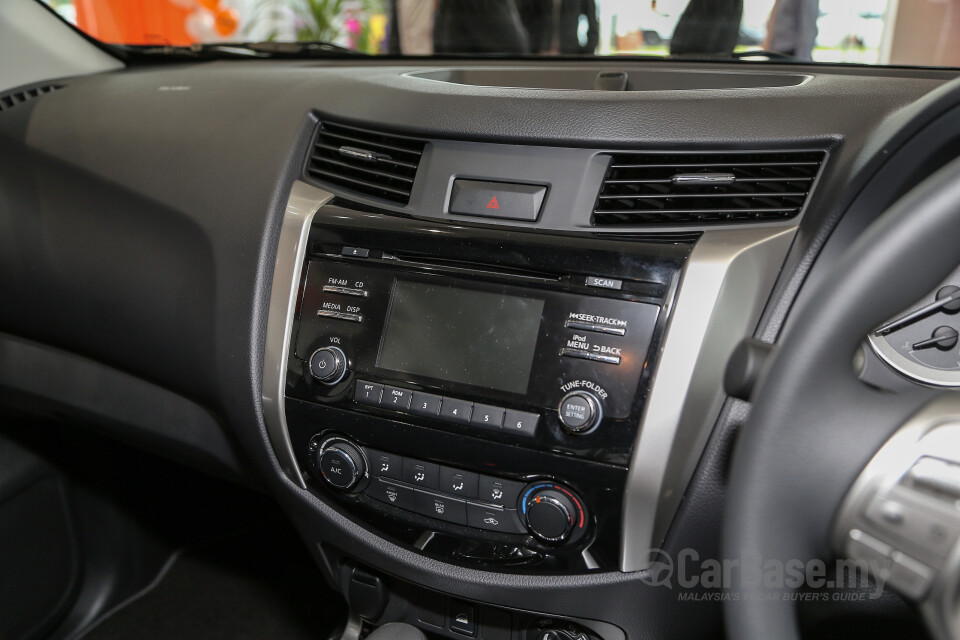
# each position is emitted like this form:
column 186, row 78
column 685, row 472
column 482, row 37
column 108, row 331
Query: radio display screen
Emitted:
column 461, row 335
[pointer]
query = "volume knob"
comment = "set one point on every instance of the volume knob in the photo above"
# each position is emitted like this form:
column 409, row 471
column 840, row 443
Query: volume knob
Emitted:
column 328, row 365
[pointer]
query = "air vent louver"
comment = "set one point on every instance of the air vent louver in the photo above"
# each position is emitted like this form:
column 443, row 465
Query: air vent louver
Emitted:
column 369, row 162
column 705, row 188
column 19, row 96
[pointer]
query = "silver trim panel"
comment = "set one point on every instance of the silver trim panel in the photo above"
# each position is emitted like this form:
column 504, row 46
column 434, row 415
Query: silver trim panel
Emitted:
column 303, row 203
column 725, row 285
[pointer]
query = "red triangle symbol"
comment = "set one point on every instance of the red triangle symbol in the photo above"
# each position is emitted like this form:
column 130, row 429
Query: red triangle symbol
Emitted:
column 493, row 204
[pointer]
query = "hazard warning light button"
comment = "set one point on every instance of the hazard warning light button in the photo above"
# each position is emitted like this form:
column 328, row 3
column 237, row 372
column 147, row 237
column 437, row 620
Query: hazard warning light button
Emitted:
column 497, row 199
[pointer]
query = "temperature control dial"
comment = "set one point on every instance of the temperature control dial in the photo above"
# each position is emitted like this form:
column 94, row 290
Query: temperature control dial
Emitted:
column 553, row 513
column 328, row 365
column 340, row 463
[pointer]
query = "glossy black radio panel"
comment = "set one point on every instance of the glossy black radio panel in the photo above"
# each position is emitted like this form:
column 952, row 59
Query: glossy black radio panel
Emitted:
column 584, row 280
column 581, row 341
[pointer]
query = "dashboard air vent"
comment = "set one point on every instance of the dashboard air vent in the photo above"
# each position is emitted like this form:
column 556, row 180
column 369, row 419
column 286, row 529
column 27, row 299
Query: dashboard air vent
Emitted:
column 705, row 188
column 369, row 162
column 16, row 97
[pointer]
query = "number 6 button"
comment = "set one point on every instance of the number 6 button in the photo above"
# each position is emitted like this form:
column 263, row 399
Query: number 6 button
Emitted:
column 520, row 423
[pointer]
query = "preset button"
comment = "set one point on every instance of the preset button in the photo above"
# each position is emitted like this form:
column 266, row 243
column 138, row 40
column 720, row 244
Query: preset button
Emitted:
column 396, row 398
column 456, row 410
column 520, row 423
column 487, row 416
column 368, row 392
column 425, row 404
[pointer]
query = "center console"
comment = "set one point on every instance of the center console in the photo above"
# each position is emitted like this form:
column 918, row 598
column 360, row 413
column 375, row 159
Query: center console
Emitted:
column 475, row 392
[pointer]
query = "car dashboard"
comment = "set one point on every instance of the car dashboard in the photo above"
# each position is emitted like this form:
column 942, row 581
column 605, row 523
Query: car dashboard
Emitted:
column 466, row 322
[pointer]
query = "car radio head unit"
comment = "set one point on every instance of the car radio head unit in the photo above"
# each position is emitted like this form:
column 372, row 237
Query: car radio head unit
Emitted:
column 510, row 345
column 430, row 389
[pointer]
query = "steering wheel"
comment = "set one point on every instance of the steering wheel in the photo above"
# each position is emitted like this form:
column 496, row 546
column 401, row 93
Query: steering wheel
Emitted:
column 828, row 468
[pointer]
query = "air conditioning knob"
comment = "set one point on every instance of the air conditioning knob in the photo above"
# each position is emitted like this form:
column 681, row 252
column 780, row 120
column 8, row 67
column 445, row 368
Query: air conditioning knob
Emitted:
column 340, row 463
column 551, row 513
column 328, row 365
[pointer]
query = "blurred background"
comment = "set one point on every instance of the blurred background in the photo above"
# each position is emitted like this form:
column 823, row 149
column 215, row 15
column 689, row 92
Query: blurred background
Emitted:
column 899, row 32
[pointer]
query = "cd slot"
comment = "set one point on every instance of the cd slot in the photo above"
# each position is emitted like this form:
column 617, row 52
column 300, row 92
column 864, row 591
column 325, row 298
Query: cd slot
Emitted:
column 463, row 266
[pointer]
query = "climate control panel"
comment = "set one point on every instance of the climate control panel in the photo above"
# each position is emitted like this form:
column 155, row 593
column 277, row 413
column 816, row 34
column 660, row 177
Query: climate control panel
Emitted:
column 549, row 511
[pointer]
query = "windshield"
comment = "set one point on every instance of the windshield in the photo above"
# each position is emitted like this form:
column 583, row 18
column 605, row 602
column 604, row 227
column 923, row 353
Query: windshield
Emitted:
column 898, row 32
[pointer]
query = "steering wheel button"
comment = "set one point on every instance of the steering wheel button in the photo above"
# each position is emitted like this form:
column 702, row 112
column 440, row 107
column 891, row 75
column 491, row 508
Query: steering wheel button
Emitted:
column 892, row 513
column 909, row 577
column 862, row 546
column 918, row 528
column 937, row 476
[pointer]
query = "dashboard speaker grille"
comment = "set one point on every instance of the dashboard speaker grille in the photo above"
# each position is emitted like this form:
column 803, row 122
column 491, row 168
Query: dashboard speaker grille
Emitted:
column 17, row 97
column 373, row 163
column 704, row 188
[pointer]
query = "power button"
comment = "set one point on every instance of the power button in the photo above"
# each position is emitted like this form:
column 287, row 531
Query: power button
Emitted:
column 328, row 365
